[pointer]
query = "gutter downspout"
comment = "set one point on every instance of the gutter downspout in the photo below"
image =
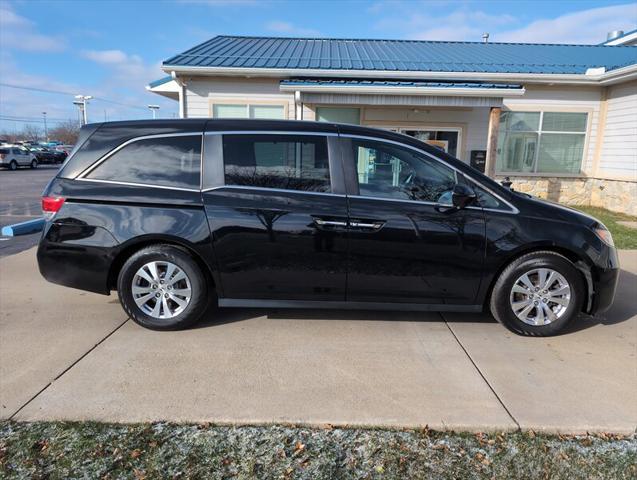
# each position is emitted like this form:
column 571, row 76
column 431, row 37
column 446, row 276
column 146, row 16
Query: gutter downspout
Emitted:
column 183, row 111
column 298, row 105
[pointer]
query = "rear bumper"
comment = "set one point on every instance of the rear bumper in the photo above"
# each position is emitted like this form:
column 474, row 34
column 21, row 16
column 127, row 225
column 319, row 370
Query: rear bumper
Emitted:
column 605, row 278
column 76, row 256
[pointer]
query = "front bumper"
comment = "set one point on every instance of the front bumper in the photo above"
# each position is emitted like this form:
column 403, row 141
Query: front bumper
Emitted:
column 605, row 278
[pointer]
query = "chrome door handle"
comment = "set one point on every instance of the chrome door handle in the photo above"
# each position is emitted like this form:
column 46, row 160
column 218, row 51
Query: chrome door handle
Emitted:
column 329, row 223
column 371, row 226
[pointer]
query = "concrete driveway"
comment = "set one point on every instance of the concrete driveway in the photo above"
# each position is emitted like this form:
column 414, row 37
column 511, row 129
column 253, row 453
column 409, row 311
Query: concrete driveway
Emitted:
column 66, row 354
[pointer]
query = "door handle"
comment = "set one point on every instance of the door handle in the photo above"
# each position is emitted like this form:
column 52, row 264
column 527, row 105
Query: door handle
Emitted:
column 368, row 225
column 329, row 223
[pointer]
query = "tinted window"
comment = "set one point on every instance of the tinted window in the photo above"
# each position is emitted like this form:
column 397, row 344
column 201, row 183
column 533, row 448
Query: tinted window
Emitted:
column 487, row 200
column 390, row 171
column 163, row 161
column 4, row 151
column 291, row 162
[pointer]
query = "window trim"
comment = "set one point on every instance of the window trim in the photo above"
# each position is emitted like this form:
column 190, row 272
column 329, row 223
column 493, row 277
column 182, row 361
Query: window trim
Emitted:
column 247, row 104
column 333, row 159
column 542, row 109
column 82, row 175
column 513, row 209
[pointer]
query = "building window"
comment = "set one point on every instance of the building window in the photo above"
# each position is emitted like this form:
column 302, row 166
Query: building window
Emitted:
column 541, row 142
column 289, row 162
column 240, row 110
column 339, row 115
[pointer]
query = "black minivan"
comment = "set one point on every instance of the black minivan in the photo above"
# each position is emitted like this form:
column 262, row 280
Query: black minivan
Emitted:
column 182, row 215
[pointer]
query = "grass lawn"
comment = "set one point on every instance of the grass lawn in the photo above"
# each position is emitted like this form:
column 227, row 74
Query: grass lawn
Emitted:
column 624, row 237
column 147, row 451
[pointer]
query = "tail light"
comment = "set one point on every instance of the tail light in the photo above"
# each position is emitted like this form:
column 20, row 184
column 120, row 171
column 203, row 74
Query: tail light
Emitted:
column 2, row 155
column 51, row 205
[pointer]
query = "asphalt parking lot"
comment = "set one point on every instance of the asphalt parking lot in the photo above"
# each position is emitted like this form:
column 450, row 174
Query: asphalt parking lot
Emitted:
column 72, row 355
column 20, row 193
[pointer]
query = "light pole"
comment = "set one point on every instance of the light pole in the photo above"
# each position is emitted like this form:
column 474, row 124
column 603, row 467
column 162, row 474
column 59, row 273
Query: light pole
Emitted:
column 82, row 102
column 46, row 132
column 154, row 109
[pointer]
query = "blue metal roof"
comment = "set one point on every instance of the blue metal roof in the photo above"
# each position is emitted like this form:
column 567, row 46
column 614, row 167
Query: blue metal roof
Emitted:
column 393, row 83
column 402, row 55
column 160, row 81
column 621, row 36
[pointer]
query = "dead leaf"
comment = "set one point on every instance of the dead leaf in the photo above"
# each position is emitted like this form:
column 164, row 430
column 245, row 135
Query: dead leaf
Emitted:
column 135, row 453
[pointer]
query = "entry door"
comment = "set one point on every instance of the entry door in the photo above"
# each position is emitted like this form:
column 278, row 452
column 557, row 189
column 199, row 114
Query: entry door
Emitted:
column 278, row 220
column 407, row 244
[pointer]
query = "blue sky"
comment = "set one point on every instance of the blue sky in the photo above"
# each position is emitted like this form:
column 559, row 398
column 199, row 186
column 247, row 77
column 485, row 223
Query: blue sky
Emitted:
column 112, row 49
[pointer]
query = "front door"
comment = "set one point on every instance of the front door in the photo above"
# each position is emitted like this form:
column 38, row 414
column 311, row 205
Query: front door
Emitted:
column 407, row 244
column 278, row 218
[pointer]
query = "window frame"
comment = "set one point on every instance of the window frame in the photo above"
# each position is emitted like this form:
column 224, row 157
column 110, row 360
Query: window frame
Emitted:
column 247, row 104
column 542, row 109
column 213, row 164
column 83, row 175
column 351, row 175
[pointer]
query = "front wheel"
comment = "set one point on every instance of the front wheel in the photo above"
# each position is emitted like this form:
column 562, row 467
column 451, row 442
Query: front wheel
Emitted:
column 162, row 287
column 34, row 164
column 538, row 294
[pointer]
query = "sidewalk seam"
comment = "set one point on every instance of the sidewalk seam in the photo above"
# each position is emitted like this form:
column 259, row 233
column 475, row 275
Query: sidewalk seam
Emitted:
column 480, row 371
column 68, row 368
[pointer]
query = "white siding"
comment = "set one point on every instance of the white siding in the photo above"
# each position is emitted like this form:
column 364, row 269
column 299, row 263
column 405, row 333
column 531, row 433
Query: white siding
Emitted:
column 567, row 99
column 201, row 91
column 618, row 157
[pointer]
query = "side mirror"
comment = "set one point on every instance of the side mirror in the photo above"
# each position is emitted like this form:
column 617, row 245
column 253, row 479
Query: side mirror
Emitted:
column 462, row 195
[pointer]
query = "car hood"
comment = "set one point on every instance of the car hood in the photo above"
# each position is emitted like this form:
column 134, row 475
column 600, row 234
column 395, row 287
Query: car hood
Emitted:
column 556, row 211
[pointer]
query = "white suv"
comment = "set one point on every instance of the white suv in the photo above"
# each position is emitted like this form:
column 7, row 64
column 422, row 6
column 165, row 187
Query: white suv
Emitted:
column 12, row 157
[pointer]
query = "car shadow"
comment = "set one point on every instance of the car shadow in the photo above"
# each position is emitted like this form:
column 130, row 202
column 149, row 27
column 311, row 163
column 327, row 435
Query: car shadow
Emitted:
column 624, row 308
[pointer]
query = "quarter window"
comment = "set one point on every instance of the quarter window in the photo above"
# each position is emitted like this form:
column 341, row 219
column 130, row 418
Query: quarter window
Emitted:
column 541, row 142
column 290, row 162
column 390, row 171
column 162, row 161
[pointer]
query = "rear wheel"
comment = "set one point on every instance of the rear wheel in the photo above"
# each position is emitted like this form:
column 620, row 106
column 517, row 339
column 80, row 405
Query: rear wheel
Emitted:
column 13, row 165
column 538, row 294
column 162, row 287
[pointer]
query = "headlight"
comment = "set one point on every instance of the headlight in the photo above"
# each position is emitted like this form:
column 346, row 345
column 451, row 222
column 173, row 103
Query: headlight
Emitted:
column 602, row 232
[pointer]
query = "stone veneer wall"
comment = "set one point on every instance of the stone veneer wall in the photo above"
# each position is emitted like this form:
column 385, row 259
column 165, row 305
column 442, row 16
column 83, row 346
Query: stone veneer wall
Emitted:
column 616, row 195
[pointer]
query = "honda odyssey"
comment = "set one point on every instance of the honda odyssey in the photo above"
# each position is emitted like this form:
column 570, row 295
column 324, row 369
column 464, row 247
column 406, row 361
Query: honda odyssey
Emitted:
column 179, row 215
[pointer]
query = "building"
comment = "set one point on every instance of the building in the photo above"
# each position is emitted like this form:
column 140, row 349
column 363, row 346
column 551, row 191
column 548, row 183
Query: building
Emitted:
column 559, row 120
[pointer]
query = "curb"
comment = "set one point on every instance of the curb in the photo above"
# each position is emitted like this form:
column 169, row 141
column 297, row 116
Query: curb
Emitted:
column 23, row 228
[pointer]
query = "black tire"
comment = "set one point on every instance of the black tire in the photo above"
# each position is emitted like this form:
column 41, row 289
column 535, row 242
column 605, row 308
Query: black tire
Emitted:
column 199, row 300
column 13, row 165
column 500, row 301
column 34, row 164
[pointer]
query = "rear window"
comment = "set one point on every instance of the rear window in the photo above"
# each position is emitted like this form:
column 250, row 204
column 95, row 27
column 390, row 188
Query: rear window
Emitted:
column 289, row 162
column 164, row 161
column 4, row 151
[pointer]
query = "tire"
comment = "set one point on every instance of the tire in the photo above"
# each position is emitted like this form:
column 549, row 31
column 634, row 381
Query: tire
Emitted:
column 546, row 316
column 13, row 165
column 141, row 314
column 34, row 164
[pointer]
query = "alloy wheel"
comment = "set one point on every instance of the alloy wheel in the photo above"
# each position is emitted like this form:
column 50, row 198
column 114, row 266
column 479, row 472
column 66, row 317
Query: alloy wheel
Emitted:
column 161, row 289
column 540, row 296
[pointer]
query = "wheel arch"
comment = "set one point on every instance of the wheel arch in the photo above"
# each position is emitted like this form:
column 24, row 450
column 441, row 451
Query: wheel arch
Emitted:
column 579, row 261
column 129, row 248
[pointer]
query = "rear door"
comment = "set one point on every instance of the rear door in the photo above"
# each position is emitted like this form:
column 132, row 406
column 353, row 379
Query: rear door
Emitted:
column 277, row 210
column 407, row 243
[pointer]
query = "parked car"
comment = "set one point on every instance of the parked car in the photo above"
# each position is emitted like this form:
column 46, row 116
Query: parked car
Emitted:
column 64, row 148
column 46, row 155
column 177, row 215
column 13, row 156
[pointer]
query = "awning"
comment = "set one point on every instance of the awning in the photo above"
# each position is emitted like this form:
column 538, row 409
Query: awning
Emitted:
column 166, row 87
column 401, row 87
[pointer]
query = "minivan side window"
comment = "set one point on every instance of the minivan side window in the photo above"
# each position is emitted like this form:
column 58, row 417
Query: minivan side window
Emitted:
column 390, row 171
column 289, row 162
column 172, row 161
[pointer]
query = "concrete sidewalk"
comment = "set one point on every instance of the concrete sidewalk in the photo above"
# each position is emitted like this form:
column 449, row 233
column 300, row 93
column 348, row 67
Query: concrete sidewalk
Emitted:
column 66, row 354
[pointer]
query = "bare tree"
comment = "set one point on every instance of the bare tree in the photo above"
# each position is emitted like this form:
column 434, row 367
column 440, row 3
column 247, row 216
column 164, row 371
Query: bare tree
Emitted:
column 32, row 133
column 65, row 132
